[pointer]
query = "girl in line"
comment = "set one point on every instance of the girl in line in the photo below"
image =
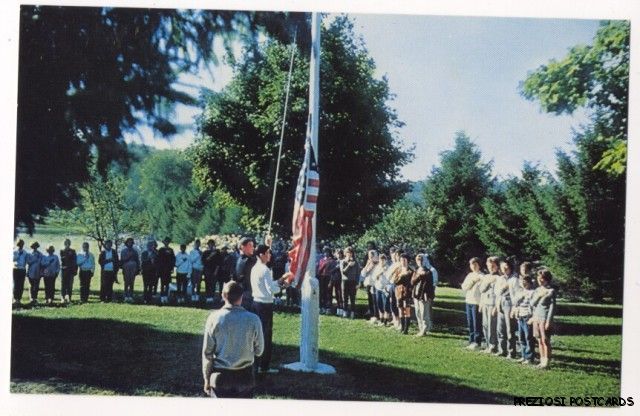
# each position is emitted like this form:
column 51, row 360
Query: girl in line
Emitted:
column 471, row 288
column 487, row 305
column 402, row 279
column 543, row 302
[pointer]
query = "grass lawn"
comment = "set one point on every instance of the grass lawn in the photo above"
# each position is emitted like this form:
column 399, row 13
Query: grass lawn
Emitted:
column 122, row 349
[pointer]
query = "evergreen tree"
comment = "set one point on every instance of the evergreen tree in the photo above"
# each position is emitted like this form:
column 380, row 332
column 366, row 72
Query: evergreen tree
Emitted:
column 359, row 153
column 454, row 192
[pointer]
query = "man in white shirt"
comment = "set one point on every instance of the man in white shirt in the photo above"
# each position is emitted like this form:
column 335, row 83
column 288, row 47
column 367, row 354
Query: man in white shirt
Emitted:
column 263, row 288
column 232, row 339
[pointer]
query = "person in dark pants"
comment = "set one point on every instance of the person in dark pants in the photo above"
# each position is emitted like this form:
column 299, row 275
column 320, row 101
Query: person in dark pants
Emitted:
column 183, row 269
column 87, row 265
column 325, row 267
column 166, row 263
column 242, row 273
column 19, row 271
column 34, row 273
column 263, row 288
column 350, row 270
column 232, row 339
column 69, row 264
column 211, row 261
column 149, row 265
column 108, row 261
column 50, row 268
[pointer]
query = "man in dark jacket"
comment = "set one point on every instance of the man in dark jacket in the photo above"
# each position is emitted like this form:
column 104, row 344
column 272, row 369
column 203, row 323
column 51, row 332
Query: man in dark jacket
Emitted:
column 212, row 262
column 244, row 265
column 166, row 262
column 69, row 270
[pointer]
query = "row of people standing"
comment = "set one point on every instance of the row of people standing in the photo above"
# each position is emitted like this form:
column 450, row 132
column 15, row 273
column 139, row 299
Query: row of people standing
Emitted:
column 501, row 304
column 36, row 266
column 392, row 285
column 156, row 266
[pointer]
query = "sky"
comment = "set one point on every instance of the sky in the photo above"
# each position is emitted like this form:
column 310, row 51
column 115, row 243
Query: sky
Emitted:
column 453, row 74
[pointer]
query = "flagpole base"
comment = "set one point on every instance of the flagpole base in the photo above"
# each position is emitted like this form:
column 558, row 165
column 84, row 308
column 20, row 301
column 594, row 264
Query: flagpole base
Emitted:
column 319, row 369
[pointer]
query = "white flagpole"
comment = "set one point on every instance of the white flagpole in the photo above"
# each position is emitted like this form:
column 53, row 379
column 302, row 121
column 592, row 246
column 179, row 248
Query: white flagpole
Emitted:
column 310, row 286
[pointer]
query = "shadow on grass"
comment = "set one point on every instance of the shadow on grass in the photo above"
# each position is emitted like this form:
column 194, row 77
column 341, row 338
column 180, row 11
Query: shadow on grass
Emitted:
column 588, row 309
column 134, row 359
column 565, row 328
column 589, row 365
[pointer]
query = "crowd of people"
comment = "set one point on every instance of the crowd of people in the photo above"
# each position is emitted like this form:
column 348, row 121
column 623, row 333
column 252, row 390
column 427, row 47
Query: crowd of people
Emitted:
column 501, row 303
column 502, row 307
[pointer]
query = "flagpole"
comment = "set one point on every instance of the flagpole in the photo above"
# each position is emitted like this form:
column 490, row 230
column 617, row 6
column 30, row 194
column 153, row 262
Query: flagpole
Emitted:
column 310, row 287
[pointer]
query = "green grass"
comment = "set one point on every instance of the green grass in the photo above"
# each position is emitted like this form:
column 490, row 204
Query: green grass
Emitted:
column 121, row 349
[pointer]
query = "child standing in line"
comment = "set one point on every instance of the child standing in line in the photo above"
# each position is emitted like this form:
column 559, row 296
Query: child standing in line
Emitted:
column 471, row 287
column 487, row 305
column 523, row 313
column 543, row 303
column 183, row 269
column 50, row 269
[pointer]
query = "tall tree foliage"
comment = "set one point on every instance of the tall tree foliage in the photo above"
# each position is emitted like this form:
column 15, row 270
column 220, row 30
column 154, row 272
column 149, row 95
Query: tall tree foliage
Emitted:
column 102, row 213
column 454, row 192
column 596, row 77
column 86, row 75
column 507, row 215
column 168, row 203
column 360, row 155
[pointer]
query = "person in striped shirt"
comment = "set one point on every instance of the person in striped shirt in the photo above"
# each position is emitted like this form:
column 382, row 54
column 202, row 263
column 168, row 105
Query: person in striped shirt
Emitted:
column 183, row 269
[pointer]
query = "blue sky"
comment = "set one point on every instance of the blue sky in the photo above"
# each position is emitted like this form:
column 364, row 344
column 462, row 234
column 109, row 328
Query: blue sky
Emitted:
column 458, row 73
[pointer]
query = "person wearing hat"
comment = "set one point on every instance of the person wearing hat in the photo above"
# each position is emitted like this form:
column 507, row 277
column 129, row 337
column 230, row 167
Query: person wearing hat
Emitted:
column 87, row 264
column 195, row 258
column 108, row 260
column 50, row 268
column 232, row 339
column 34, row 273
column 149, row 262
column 263, row 288
column 69, row 265
column 130, row 261
column 19, row 271
column 166, row 263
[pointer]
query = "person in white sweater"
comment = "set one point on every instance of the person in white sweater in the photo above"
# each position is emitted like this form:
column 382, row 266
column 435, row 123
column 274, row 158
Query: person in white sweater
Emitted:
column 471, row 288
column 380, row 283
column 487, row 305
column 183, row 270
column 263, row 287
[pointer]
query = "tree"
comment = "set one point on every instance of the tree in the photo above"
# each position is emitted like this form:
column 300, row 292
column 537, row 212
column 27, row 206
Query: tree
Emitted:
column 102, row 212
column 503, row 223
column 454, row 192
column 359, row 157
column 163, row 197
column 87, row 75
column 404, row 225
column 595, row 77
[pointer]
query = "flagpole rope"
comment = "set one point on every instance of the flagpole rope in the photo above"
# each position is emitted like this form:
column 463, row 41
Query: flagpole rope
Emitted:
column 284, row 122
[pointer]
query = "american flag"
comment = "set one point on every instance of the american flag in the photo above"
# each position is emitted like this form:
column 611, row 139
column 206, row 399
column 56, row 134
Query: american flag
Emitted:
column 303, row 211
